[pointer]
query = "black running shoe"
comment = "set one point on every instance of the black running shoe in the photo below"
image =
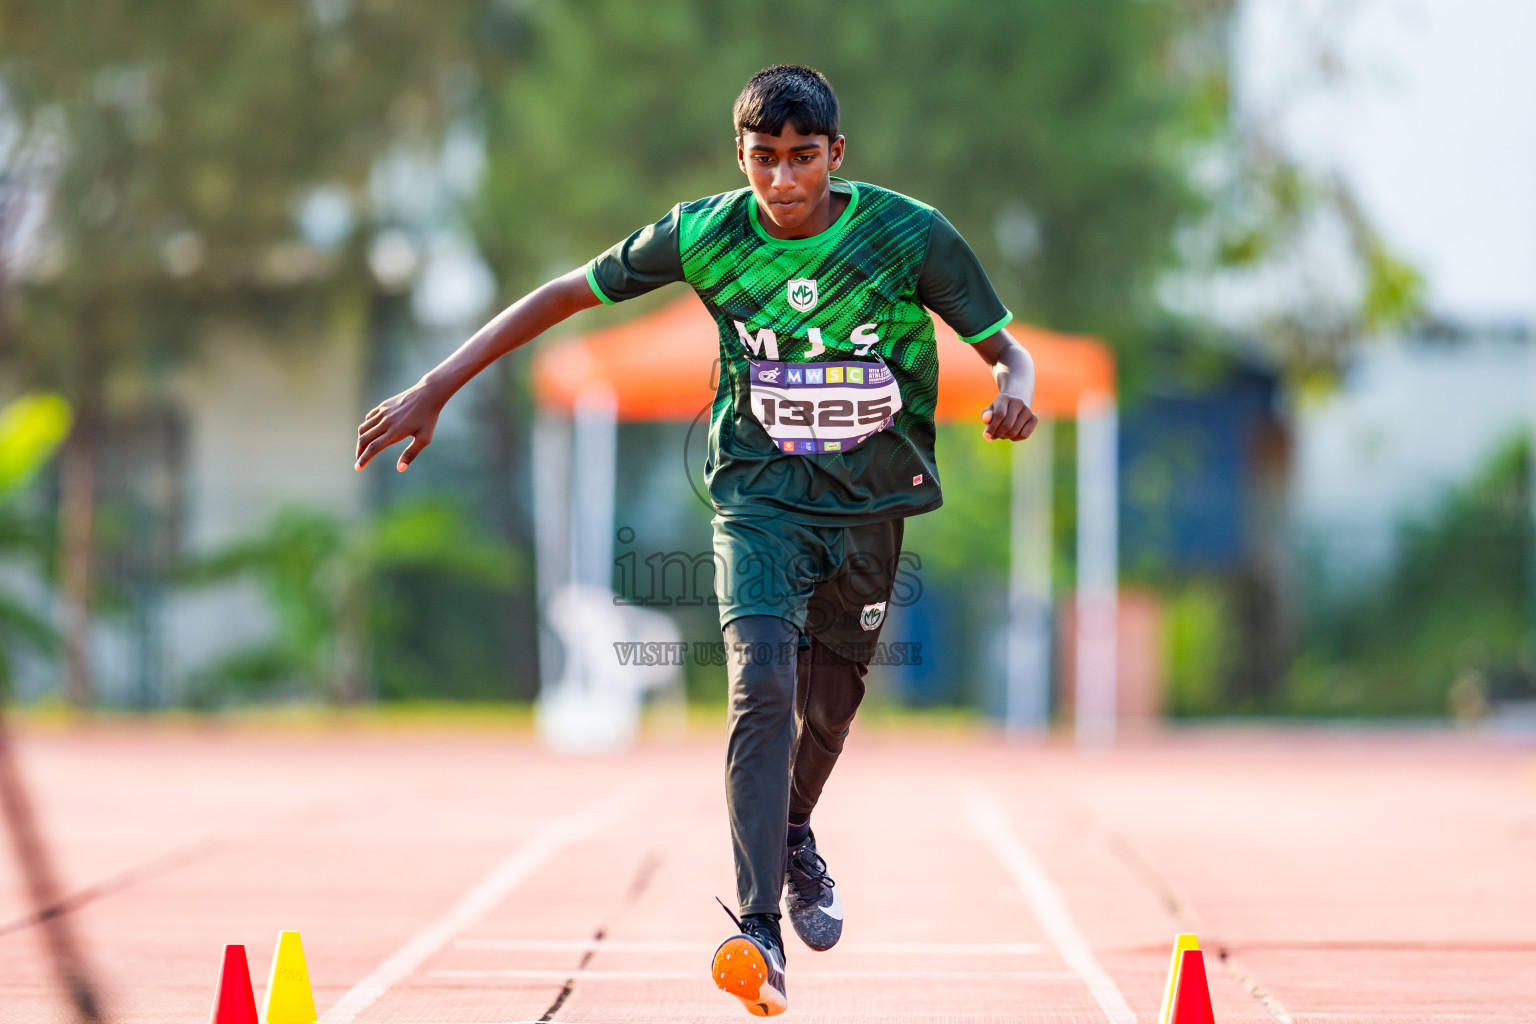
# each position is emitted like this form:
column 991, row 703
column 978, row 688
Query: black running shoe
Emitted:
column 810, row 897
column 750, row 966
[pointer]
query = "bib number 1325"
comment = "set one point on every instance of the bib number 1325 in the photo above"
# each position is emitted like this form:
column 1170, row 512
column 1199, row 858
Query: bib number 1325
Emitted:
column 816, row 408
column 831, row 413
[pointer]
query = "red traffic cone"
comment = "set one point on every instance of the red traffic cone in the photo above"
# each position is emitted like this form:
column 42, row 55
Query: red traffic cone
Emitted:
column 1192, row 999
column 235, row 1003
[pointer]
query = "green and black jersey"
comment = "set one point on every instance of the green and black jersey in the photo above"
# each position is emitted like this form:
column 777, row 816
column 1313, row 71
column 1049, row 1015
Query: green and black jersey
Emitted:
column 856, row 292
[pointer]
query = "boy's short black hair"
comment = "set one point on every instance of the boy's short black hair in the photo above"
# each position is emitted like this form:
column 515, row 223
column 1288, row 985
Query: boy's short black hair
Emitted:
column 787, row 93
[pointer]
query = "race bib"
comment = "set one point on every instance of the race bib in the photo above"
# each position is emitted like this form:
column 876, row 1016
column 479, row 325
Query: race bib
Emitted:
column 810, row 408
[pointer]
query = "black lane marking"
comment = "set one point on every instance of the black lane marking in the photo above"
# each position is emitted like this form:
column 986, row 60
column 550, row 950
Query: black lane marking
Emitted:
column 151, row 868
column 570, row 983
column 1179, row 909
column 162, row 864
column 644, row 873
column 642, row 880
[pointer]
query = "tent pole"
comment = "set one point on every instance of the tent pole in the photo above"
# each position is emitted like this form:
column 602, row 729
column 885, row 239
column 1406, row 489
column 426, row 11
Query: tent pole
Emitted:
column 596, row 452
column 551, row 530
column 1027, row 703
column 1097, row 570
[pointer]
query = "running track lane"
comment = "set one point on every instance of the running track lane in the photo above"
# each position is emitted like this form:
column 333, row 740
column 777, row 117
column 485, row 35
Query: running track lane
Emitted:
column 474, row 878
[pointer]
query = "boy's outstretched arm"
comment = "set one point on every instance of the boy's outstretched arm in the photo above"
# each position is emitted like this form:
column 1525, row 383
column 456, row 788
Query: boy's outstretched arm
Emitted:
column 413, row 412
column 1009, row 417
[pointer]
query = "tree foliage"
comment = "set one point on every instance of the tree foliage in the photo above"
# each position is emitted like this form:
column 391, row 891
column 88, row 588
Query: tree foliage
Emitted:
column 166, row 167
column 325, row 582
column 1455, row 607
column 31, row 429
column 1056, row 136
column 175, row 147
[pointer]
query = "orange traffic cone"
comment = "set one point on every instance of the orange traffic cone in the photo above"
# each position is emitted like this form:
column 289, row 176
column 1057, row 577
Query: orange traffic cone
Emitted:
column 1192, row 996
column 234, row 1003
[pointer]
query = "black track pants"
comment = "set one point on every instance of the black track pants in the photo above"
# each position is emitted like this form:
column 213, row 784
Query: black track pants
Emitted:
column 790, row 710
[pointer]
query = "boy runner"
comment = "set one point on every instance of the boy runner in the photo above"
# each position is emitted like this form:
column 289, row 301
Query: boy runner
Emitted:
column 820, row 444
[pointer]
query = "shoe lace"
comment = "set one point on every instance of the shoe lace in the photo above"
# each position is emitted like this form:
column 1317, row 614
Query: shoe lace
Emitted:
column 729, row 913
column 808, row 875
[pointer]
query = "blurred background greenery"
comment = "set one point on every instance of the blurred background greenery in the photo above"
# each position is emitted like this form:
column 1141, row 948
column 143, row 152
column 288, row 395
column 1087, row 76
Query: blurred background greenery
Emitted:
column 229, row 228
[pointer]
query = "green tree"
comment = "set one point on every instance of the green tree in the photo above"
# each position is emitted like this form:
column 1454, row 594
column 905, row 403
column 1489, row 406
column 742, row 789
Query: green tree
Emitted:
column 1086, row 150
column 31, row 430
column 175, row 149
column 1055, row 135
column 1454, row 607
column 325, row 582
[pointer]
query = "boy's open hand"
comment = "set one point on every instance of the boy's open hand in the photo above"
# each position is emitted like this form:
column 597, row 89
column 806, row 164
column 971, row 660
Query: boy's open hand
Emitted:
column 413, row 413
column 410, row 414
column 1008, row 419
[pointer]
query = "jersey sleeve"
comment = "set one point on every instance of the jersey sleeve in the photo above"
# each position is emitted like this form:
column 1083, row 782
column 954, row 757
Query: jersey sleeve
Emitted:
column 953, row 285
column 643, row 262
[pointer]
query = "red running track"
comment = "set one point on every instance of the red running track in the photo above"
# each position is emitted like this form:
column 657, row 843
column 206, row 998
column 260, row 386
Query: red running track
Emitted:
column 445, row 877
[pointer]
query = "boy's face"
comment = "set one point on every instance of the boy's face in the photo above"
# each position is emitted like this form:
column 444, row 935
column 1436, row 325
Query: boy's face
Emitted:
column 789, row 173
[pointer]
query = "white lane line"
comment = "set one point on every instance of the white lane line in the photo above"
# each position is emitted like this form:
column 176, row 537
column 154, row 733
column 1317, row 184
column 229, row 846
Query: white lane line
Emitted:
column 703, row 975
column 482, row 897
column 990, row 822
column 586, row 945
column 946, row 948
column 670, row 946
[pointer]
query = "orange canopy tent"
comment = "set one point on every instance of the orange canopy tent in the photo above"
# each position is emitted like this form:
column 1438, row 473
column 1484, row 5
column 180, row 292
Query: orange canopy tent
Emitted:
column 659, row 367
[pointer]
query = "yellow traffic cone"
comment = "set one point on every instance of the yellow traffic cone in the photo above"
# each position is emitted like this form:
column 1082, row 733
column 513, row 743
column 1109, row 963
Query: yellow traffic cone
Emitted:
column 1185, row 940
column 289, row 999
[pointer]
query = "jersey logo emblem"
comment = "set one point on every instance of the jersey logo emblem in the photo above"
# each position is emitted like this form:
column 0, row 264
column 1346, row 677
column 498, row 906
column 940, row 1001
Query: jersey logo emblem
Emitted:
column 802, row 293
column 873, row 615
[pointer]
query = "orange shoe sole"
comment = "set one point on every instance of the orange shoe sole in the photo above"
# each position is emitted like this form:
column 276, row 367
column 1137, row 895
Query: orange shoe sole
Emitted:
column 740, row 970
